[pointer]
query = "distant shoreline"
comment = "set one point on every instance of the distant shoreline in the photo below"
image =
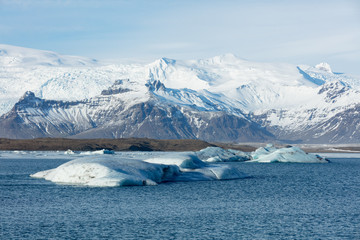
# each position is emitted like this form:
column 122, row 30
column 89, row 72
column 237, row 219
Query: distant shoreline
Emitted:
column 145, row 144
column 124, row 144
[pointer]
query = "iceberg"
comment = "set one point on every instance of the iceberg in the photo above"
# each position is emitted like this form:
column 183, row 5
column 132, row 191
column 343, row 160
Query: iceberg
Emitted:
column 193, row 169
column 114, row 170
column 218, row 154
column 102, row 172
column 291, row 154
column 69, row 152
column 262, row 151
column 102, row 151
column 268, row 154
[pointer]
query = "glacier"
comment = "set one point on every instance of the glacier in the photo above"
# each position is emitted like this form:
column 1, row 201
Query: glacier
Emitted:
column 286, row 102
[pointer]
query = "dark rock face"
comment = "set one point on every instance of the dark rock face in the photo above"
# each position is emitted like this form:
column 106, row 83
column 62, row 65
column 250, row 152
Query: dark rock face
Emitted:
column 116, row 88
column 333, row 90
column 169, row 122
column 344, row 127
column 109, row 116
column 33, row 117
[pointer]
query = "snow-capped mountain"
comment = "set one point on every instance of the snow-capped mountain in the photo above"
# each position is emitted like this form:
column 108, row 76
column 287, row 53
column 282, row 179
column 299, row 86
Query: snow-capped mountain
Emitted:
column 131, row 110
column 218, row 99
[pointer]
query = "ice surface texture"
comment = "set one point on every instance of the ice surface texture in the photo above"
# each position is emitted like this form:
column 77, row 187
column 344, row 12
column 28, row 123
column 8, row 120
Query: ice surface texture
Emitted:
column 266, row 154
column 271, row 154
column 113, row 170
column 217, row 154
column 143, row 168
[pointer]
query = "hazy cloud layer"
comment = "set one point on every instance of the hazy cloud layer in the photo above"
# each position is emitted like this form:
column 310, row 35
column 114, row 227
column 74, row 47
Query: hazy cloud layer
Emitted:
column 299, row 32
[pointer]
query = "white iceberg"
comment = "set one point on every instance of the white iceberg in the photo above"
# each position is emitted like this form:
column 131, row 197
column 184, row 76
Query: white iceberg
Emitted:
column 271, row 154
column 109, row 172
column 69, row 152
column 182, row 160
column 102, row 151
column 113, row 170
column 192, row 168
column 261, row 151
column 217, row 154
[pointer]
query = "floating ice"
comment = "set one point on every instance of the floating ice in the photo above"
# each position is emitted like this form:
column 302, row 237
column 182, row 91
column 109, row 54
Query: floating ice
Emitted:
column 270, row 154
column 217, row 154
column 113, row 170
column 102, row 151
column 69, row 151
column 182, row 160
column 92, row 171
column 192, row 168
column 269, row 148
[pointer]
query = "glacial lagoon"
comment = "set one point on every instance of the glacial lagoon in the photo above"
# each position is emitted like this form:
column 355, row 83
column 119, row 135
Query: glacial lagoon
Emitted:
column 271, row 201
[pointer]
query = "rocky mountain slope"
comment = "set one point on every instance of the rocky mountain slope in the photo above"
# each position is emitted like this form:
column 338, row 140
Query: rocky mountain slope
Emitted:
column 218, row 99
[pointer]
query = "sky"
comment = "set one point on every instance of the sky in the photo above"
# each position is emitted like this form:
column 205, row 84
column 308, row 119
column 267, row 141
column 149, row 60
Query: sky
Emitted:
column 298, row 32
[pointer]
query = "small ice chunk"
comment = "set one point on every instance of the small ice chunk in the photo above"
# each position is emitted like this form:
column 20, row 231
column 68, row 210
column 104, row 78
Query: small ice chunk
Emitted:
column 217, row 154
column 102, row 151
column 69, row 151
column 269, row 148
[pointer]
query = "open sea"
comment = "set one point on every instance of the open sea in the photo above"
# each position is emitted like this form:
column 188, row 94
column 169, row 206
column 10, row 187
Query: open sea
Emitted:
column 277, row 201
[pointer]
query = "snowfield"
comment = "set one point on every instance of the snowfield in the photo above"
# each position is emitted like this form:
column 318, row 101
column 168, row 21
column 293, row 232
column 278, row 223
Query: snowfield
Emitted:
column 284, row 98
column 249, row 86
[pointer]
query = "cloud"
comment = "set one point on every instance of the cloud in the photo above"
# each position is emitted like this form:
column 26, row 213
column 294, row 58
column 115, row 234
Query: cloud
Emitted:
column 171, row 45
column 259, row 30
column 325, row 45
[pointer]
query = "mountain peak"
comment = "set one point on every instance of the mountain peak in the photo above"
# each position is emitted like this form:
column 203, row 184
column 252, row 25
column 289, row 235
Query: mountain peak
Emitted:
column 28, row 95
column 28, row 100
column 324, row 67
column 227, row 58
column 167, row 60
column 155, row 85
column 21, row 56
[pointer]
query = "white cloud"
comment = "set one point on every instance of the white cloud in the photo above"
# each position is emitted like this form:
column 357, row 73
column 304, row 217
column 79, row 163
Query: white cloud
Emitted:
column 257, row 30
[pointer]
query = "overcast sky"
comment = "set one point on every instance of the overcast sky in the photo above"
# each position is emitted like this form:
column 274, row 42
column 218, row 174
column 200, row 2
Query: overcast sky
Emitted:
column 299, row 32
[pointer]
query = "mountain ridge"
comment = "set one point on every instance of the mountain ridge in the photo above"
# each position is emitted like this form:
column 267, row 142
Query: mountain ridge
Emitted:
column 224, row 97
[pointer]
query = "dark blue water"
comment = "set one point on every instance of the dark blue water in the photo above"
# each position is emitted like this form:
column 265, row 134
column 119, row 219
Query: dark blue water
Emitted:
column 279, row 201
